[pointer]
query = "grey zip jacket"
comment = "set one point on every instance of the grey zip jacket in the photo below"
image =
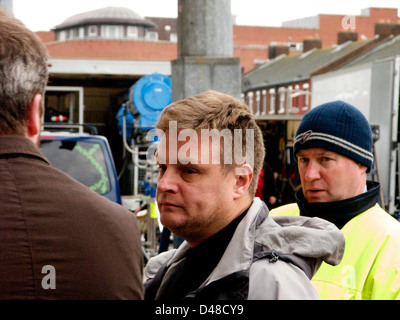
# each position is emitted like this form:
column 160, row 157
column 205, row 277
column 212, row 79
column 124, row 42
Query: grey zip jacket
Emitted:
column 268, row 258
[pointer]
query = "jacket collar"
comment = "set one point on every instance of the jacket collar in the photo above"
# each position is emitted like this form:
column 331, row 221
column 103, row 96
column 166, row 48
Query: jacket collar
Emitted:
column 339, row 212
column 13, row 145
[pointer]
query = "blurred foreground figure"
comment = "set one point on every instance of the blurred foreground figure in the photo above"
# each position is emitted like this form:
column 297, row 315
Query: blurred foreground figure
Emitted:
column 58, row 239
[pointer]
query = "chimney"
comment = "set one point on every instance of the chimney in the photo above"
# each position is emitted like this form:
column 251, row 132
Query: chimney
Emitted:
column 275, row 51
column 345, row 36
column 384, row 30
column 309, row 44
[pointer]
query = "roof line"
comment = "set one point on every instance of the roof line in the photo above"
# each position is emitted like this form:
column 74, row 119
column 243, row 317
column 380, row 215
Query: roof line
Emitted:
column 336, row 64
column 268, row 63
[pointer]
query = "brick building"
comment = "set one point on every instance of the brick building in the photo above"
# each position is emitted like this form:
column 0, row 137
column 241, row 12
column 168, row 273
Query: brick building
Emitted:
column 106, row 51
column 156, row 38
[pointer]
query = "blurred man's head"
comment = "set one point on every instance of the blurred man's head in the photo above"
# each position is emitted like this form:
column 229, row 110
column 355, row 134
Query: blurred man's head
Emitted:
column 23, row 78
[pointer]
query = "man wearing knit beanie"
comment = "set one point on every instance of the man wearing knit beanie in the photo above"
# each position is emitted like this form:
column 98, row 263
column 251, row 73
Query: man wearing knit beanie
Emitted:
column 333, row 150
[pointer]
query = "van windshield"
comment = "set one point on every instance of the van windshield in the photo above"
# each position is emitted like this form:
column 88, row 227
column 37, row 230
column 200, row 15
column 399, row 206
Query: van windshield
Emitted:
column 82, row 160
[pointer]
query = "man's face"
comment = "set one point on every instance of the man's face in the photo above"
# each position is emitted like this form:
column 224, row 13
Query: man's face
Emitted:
column 328, row 176
column 195, row 200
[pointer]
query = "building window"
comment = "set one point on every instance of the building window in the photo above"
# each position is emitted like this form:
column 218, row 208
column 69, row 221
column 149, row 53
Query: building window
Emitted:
column 132, row 32
column 173, row 37
column 70, row 34
column 295, row 46
column 112, row 32
column 152, row 35
column 81, row 32
column 74, row 33
column 92, row 31
column 62, row 35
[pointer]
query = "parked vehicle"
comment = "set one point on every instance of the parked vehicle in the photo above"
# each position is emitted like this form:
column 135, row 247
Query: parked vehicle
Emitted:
column 87, row 158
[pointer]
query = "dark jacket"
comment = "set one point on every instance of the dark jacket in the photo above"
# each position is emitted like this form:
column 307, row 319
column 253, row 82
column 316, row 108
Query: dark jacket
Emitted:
column 267, row 258
column 59, row 239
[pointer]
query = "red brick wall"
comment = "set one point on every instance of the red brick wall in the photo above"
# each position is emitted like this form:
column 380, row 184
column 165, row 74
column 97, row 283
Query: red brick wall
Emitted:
column 46, row 36
column 266, row 35
column 330, row 25
column 114, row 49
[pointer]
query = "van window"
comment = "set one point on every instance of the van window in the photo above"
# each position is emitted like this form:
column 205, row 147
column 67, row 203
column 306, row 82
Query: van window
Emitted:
column 82, row 160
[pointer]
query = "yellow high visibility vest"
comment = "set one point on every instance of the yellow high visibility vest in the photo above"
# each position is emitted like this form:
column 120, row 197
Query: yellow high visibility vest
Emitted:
column 370, row 268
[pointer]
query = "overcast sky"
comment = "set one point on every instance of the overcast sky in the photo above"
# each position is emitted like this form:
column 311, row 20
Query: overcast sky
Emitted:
column 42, row 15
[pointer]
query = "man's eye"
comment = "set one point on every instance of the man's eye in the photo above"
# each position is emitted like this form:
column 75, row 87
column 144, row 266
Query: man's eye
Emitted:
column 161, row 168
column 189, row 171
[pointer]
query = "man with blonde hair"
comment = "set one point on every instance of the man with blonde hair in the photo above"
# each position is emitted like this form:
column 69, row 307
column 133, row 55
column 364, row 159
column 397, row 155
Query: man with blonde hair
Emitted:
column 209, row 158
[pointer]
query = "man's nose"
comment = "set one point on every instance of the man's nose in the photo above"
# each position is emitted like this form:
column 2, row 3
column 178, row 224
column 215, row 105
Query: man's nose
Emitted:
column 167, row 181
column 312, row 171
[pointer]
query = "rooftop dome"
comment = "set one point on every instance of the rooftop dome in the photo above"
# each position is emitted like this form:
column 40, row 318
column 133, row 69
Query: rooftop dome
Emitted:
column 109, row 15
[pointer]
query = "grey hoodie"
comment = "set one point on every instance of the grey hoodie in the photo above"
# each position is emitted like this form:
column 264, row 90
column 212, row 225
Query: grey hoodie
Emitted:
column 267, row 258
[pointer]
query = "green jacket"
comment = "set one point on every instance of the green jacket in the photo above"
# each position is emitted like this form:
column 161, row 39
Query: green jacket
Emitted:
column 370, row 268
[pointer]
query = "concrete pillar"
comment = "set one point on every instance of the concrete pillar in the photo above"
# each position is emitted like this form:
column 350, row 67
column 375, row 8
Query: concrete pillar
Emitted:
column 205, row 50
column 205, row 28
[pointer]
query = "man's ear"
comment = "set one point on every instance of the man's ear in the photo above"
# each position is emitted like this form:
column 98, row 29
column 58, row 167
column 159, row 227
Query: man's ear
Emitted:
column 244, row 176
column 34, row 119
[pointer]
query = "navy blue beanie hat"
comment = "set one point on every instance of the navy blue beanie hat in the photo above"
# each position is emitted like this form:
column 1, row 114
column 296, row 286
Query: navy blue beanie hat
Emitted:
column 339, row 127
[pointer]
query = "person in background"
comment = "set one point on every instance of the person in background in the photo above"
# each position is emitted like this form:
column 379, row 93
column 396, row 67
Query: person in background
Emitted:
column 333, row 148
column 266, row 187
column 210, row 157
column 58, row 239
